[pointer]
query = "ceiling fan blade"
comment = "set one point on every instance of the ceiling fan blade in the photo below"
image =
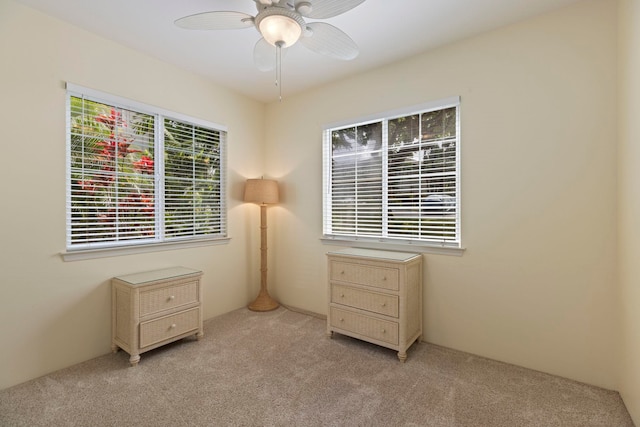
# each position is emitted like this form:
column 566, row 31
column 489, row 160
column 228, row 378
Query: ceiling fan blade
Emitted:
column 322, row 9
column 330, row 41
column 223, row 20
column 264, row 55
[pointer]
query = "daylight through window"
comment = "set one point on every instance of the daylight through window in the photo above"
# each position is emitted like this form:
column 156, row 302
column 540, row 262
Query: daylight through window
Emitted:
column 395, row 179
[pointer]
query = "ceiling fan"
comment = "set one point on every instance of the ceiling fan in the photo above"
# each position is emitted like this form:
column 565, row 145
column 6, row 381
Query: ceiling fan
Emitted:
column 281, row 24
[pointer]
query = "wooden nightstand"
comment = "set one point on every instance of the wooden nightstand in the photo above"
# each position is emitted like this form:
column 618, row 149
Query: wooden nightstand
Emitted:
column 154, row 308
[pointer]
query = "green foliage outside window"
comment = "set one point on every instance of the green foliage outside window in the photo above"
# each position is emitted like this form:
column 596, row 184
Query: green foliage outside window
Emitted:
column 114, row 176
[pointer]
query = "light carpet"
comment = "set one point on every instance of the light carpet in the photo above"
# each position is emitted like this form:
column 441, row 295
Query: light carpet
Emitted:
column 279, row 369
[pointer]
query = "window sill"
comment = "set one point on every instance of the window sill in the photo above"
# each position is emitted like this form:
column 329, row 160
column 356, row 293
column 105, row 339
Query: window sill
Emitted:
column 84, row 254
column 391, row 246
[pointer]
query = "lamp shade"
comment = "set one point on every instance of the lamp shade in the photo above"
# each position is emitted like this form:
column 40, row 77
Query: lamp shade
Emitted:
column 261, row 191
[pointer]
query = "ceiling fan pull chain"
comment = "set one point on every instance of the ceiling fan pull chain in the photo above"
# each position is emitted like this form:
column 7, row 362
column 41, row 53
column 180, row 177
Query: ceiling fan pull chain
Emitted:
column 279, row 68
column 277, row 64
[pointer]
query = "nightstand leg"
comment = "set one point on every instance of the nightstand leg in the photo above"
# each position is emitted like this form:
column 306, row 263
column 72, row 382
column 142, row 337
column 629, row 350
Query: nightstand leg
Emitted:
column 199, row 335
column 402, row 356
column 134, row 359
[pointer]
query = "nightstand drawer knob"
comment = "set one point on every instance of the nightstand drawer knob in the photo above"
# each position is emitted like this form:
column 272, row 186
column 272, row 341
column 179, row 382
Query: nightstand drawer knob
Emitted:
column 384, row 331
column 342, row 272
column 341, row 319
column 171, row 298
column 384, row 279
column 341, row 295
column 384, row 304
column 173, row 326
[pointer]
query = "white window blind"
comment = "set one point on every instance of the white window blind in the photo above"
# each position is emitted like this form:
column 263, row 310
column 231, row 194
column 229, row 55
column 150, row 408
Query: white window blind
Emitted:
column 395, row 179
column 192, row 180
column 137, row 175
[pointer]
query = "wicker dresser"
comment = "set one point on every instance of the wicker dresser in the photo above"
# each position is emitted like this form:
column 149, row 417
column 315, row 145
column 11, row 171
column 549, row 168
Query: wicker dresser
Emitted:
column 376, row 296
column 154, row 308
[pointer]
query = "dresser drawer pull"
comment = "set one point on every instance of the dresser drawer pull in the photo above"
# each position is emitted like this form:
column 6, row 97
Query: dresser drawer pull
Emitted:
column 171, row 298
column 173, row 326
column 341, row 319
column 384, row 279
column 384, row 331
column 384, row 304
column 341, row 295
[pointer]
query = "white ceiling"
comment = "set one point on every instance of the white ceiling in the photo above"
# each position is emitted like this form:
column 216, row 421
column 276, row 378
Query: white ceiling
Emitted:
column 385, row 31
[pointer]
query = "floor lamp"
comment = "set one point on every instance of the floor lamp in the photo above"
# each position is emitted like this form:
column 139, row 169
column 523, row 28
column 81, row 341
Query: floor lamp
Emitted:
column 262, row 192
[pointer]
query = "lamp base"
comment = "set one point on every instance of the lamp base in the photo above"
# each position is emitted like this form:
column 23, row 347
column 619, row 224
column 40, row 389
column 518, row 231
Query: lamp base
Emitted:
column 264, row 302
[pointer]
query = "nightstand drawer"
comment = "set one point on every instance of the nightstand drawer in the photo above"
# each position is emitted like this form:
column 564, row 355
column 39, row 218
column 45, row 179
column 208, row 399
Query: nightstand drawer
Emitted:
column 371, row 301
column 158, row 330
column 379, row 277
column 157, row 300
column 366, row 326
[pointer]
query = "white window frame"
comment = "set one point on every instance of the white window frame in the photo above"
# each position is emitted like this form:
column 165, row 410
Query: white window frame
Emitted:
column 384, row 242
column 158, row 242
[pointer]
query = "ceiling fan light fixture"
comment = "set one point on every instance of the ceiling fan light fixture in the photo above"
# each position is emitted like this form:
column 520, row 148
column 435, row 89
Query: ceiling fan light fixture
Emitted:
column 280, row 26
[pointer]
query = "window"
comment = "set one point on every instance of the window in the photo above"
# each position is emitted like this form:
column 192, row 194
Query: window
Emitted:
column 395, row 179
column 138, row 175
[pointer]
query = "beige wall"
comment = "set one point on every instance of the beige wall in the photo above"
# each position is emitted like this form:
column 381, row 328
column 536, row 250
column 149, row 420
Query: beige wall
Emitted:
column 537, row 283
column 629, row 202
column 54, row 313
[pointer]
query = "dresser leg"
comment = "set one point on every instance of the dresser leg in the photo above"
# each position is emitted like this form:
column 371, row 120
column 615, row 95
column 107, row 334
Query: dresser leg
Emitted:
column 199, row 335
column 114, row 348
column 402, row 355
column 330, row 334
column 134, row 359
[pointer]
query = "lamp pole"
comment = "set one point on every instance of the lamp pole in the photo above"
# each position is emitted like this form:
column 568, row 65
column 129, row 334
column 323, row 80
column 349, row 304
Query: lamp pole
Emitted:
column 263, row 302
column 262, row 192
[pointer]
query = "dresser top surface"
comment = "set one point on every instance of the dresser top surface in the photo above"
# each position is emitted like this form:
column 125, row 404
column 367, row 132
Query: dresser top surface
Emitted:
column 372, row 253
column 161, row 274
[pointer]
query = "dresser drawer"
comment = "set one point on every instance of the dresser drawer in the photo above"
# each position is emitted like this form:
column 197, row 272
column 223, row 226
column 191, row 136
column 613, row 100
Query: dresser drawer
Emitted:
column 157, row 300
column 379, row 277
column 365, row 300
column 370, row 327
column 158, row 330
